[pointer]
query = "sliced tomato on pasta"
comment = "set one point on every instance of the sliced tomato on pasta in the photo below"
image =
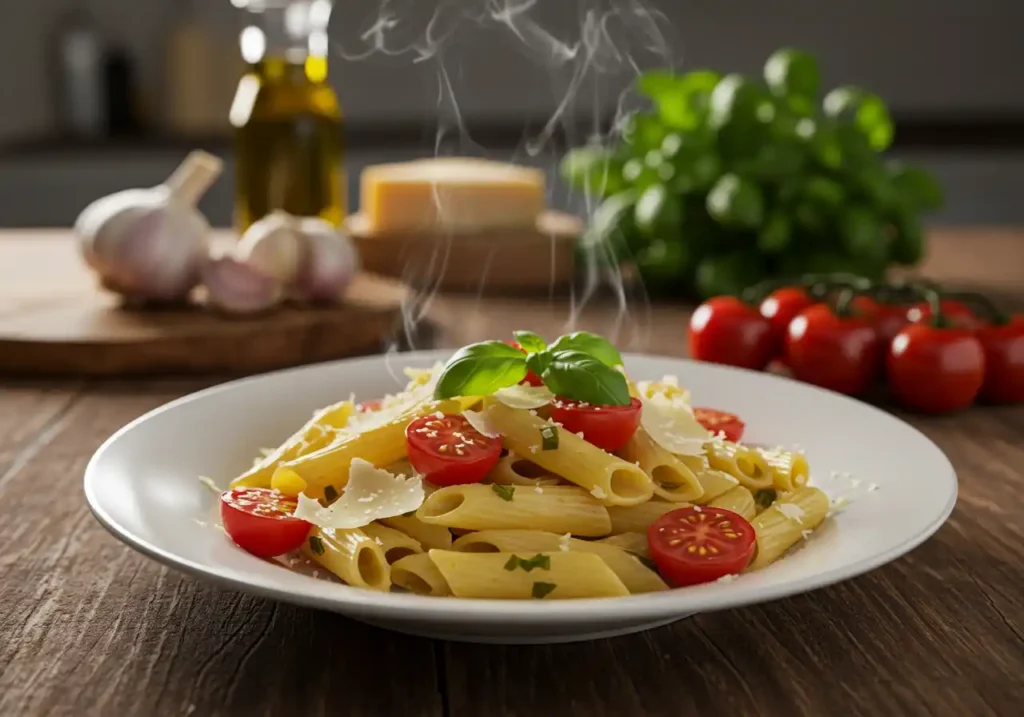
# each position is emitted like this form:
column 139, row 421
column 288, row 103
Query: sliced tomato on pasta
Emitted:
column 699, row 544
column 720, row 422
column 447, row 450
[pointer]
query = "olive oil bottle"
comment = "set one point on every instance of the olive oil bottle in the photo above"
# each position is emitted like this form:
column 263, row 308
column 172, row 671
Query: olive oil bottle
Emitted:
column 289, row 144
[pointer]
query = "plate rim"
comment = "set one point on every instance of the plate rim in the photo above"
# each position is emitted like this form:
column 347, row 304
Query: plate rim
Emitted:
column 395, row 606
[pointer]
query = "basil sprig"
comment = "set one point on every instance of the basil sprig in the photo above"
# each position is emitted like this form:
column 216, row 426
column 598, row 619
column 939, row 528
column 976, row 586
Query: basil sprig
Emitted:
column 579, row 366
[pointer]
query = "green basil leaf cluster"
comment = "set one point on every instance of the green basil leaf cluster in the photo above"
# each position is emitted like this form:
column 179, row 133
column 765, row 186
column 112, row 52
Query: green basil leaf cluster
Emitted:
column 725, row 181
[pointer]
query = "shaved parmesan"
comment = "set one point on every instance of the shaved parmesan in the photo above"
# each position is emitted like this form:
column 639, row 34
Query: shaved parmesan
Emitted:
column 481, row 423
column 525, row 397
column 563, row 542
column 791, row 511
column 672, row 426
column 208, row 482
column 394, row 406
column 371, row 494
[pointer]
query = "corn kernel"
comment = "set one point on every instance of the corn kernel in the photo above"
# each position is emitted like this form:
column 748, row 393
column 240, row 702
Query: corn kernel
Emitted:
column 288, row 482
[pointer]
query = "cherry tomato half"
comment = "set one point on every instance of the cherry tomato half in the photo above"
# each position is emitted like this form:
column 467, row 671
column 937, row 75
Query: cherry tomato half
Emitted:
column 699, row 544
column 727, row 331
column 1004, row 361
column 720, row 422
column 956, row 312
column 780, row 307
column 369, row 406
column 449, row 451
column 935, row 370
column 607, row 427
column 531, row 379
column 260, row 521
column 839, row 353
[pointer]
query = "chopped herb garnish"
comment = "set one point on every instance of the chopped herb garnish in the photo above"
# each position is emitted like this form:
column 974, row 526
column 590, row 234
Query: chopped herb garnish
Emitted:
column 512, row 563
column 330, row 493
column 549, row 438
column 537, row 561
column 764, row 498
column 505, row 492
column 540, row 590
column 316, row 544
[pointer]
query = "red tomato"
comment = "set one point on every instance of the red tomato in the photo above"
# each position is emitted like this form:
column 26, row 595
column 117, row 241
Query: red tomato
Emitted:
column 839, row 353
column 888, row 319
column 725, row 330
column 935, row 370
column 369, row 406
column 449, row 451
column 957, row 312
column 1004, row 361
column 607, row 427
column 780, row 307
column 531, row 379
column 260, row 521
column 720, row 421
column 699, row 544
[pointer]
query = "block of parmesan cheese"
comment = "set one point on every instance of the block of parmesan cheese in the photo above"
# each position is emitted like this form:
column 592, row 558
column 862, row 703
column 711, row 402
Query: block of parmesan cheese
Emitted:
column 451, row 195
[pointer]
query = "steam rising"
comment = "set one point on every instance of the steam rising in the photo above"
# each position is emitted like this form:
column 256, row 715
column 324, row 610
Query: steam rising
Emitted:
column 591, row 74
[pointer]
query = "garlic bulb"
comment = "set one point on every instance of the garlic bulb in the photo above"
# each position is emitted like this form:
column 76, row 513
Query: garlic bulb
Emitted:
column 273, row 245
column 150, row 244
column 236, row 287
column 329, row 263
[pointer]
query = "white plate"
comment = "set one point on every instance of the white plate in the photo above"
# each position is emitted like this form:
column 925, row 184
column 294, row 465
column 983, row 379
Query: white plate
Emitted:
column 142, row 485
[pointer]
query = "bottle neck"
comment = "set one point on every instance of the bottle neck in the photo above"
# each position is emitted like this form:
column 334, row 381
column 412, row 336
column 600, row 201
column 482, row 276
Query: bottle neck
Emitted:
column 290, row 30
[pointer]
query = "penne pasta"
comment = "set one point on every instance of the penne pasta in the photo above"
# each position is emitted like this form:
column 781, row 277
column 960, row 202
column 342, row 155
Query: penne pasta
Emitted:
column 607, row 477
column 351, row 555
column 563, row 575
column 789, row 469
column 789, row 519
column 739, row 500
column 712, row 482
column 418, row 574
column 744, row 464
column 635, row 543
column 636, row 576
column 638, row 518
column 395, row 543
column 513, row 470
column 673, row 480
column 558, row 509
column 428, row 536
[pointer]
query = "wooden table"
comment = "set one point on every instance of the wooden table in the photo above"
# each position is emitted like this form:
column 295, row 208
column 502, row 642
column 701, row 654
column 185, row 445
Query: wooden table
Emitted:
column 88, row 627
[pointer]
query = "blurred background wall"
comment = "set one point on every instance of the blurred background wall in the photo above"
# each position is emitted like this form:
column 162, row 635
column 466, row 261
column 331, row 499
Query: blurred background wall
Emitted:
column 952, row 72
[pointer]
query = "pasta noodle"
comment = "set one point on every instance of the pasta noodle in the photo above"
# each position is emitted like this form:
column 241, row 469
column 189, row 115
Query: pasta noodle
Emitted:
column 635, row 543
column 428, row 536
column 738, row 500
column 567, row 575
column 788, row 520
column 559, row 509
column 513, row 470
column 638, row 518
column 744, row 464
column 418, row 574
column 351, row 555
column 395, row 544
column 673, row 480
column 609, row 478
column 789, row 469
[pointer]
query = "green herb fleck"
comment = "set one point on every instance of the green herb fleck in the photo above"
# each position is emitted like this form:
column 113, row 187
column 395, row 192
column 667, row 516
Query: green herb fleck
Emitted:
column 764, row 498
column 541, row 590
column 537, row 561
column 330, row 493
column 316, row 544
column 505, row 492
column 512, row 563
column 549, row 438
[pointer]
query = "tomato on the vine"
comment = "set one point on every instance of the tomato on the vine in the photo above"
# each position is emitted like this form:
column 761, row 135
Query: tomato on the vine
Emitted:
column 699, row 544
column 447, row 450
column 934, row 369
column 1003, row 344
column 780, row 307
column 955, row 312
column 607, row 427
column 260, row 521
column 717, row 421
column 836, row 352
column 728, row 331
column 887, row 318
column 531, row 379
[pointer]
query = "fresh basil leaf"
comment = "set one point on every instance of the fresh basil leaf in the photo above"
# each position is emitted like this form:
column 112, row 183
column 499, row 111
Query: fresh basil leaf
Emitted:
column 480, row 370
column 505, row 492
column 581, row 377
column 530, row 341
column 539, row 361
column 597, row 346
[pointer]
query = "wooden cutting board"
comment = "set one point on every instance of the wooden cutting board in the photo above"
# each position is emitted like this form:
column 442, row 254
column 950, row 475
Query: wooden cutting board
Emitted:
column 55, row 321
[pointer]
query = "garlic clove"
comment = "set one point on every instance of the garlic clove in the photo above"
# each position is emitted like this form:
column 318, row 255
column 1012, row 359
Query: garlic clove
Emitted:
column 329, row 264
column 235, row 287
column 273, row 245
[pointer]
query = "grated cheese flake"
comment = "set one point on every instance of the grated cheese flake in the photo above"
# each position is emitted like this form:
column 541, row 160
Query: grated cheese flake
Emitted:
column 480, row 422
column 727, row 578
column 371, row 494
column 525, row 397
column 598, row 492
column 563, row 542
column 791, row 511
column 672, row 426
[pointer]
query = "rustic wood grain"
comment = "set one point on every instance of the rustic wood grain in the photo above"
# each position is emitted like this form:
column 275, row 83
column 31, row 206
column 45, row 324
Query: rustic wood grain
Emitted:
column 89, row 628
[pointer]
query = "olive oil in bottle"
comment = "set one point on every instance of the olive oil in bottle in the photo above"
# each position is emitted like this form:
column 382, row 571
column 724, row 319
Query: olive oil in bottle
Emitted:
column 289, row 150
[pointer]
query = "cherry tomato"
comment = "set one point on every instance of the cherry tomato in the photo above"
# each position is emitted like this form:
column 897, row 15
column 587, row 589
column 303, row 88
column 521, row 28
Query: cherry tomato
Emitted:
column 531, row 379
column 956, row 312
column 888, row 319
column 780, row 307
column 720, row 422
column 449, row 451
column 699, row 544
column 935, row 370
column 369, row 406
column 839, row 353
column 1004, row 361
column 260, row 521
column 725, row 330
column 607, row 427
